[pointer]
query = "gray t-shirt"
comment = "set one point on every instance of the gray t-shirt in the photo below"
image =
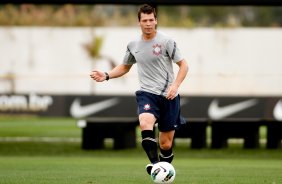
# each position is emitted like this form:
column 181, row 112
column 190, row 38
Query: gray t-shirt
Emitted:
column 154, row 60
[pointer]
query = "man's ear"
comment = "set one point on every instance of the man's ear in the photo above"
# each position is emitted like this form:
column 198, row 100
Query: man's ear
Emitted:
column 156, row 24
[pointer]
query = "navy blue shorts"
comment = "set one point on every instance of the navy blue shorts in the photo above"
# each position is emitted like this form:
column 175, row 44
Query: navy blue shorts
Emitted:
column 167, row 112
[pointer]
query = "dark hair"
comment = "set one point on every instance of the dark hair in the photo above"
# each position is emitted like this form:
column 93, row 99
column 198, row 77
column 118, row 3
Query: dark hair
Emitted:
column 146, row 9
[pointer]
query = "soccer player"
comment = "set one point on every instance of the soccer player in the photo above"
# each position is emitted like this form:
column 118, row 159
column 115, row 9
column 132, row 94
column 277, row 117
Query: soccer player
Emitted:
column 158, row 99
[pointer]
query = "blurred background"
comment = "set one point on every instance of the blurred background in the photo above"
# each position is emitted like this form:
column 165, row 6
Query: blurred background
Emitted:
column 231, row 50
column 48, row 51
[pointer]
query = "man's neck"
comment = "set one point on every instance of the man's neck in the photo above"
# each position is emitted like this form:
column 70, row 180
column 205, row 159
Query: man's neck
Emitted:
column 149, row 36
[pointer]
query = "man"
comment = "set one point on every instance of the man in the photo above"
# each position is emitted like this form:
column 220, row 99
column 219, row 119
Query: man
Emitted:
column 158, row 99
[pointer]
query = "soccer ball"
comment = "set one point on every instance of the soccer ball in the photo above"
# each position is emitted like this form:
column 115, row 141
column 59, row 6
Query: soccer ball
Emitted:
column 163, row 172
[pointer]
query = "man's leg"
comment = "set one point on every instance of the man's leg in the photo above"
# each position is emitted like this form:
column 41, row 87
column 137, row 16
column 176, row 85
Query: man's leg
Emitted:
column 149, row 143
column 166, row 142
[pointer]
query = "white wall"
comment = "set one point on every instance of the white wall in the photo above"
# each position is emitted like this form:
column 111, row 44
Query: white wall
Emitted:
column 222, row 61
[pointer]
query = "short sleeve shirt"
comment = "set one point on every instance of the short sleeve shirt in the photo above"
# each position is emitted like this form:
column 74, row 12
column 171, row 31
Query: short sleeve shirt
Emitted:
column 154, row 59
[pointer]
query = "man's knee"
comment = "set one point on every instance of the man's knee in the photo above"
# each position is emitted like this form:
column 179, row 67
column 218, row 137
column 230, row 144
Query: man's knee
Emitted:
column 165, row 145
column 147, row 121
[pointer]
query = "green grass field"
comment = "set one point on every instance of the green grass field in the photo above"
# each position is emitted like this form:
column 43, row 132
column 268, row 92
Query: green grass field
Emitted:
column 48, row 150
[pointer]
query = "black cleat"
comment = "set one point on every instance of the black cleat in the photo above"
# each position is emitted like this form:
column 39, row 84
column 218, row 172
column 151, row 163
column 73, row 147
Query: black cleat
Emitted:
column 149, row 168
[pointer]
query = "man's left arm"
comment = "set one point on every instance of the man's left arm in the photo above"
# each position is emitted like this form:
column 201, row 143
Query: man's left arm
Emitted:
column 182, row 72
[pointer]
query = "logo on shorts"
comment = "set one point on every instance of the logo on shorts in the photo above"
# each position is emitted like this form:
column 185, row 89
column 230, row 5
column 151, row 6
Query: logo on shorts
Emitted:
column 147, row 107
column 157, row 49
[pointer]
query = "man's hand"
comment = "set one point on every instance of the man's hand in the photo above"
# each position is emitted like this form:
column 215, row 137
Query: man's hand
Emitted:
column 98, row 76
column 172, row 92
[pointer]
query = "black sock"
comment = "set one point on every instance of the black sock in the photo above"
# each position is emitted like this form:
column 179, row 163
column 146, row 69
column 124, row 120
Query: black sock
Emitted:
column 166, row 155
column 150, row 146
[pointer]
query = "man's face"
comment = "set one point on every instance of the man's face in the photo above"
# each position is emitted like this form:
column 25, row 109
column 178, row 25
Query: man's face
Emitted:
column 147, row 23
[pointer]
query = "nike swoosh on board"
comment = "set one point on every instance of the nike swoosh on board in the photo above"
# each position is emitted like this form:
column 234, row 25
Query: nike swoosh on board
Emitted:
column 215, row 112
column 277, row 111
column 78, row 111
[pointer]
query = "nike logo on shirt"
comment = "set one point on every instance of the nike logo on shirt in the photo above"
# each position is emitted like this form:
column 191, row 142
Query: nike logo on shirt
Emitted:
column 79, row 111
column 215, row 112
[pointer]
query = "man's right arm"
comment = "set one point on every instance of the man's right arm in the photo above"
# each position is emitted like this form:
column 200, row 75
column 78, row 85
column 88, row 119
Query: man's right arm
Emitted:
column 116, row 72
column 119, row 71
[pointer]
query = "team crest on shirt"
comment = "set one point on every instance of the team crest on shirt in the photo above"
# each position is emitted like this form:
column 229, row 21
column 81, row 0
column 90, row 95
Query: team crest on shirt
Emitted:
column 147, row 107
column 157, row 49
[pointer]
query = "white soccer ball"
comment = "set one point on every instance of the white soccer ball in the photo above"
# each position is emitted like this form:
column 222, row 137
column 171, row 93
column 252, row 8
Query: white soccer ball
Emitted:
column 163, row 172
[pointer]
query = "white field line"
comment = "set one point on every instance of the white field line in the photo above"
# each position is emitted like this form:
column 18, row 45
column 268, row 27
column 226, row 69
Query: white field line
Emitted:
column 72, row 139
column 231, row 140
column 39, row 139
